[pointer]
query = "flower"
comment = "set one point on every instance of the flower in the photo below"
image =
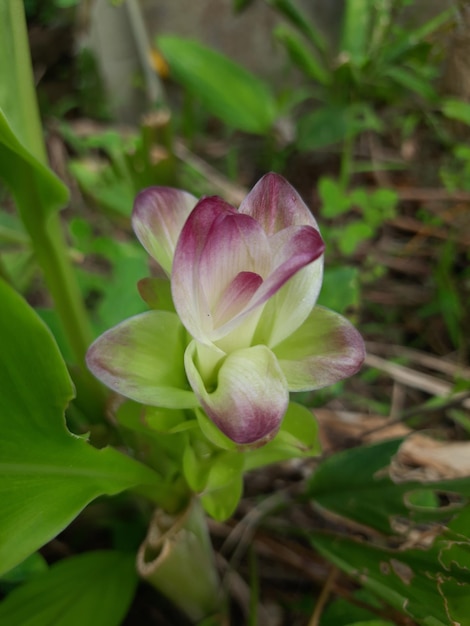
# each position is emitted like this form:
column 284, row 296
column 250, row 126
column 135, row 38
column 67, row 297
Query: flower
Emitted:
column 244, row 285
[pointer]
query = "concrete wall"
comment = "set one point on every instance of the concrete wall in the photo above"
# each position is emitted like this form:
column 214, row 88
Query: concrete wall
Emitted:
column 245, row 38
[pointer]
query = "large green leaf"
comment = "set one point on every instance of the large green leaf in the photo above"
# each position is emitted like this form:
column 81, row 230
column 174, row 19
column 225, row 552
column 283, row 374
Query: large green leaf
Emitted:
column 92, row 588
column 47, row 475
column 226, row 89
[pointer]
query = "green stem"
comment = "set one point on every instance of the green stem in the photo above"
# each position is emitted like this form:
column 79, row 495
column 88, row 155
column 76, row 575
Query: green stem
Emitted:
column 177, row 559
column 18, row 99
column 346, row 163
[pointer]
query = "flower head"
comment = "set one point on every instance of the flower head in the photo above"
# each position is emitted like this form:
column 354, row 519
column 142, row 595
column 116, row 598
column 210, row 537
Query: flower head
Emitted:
column 244, row 285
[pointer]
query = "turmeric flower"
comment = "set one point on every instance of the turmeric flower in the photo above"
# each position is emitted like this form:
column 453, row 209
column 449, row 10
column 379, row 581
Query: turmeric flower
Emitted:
column 245, row 331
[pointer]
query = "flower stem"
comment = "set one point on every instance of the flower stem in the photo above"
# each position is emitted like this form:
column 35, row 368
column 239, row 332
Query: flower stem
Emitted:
column 346, row 163
column 177, row 559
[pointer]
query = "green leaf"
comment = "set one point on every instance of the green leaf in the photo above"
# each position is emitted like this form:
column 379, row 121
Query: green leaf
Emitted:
column 355, row 34
column 333, row 124
column 20, row 154
column 352, row 235
column 342, row 612
column 403, row 46
column 305, row 60
column 224, row 486
column 408, row 580
column 374, row 622
column 103, row 186
column 225, row 89
column 38, row 193
column 334, row 201
column 356, row 484
column 384, row 201
column 47, row 475
column 298, row 19
column 457, row 110
column 217, row 476
column 26, row 176
column 241, row 5
column 323, row 127
column 411, row 81
column 91, row 588
column 212, row 433
column 66, row 4
column 120, row 299
column 297, row 438
column 17, row 88
column 340, row 289
column 33, row 565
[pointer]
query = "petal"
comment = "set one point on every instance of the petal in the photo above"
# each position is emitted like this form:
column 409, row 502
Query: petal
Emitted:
column 142, row 359
column 292, row 250
column 324, row 350
column 276, row 205
column 246, row 397
column 236, row 296
column 215, row 246
column 158, row 218
column 290, row 306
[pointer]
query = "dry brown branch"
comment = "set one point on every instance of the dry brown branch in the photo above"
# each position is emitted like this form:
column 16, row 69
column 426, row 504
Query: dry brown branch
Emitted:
column 417, row 380
column 407, row 223
column 323, row 597
column 230, row 192
column 439, row 364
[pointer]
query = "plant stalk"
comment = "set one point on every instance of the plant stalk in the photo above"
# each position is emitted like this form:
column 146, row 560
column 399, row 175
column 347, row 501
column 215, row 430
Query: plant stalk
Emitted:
column 177, row 559
column 346, row 163
column 18, row 99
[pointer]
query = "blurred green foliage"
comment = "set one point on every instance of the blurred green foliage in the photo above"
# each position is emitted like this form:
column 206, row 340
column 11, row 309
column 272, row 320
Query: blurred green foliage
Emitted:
column 46, row 11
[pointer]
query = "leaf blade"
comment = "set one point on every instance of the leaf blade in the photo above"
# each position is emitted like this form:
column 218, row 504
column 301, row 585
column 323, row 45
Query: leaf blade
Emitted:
column 47, row 475
column 226, row 89
column 91, row 588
